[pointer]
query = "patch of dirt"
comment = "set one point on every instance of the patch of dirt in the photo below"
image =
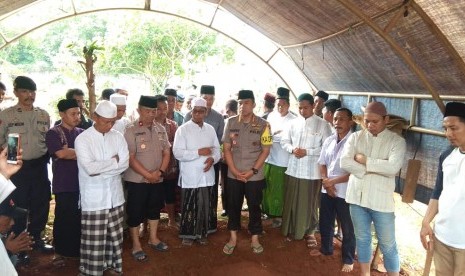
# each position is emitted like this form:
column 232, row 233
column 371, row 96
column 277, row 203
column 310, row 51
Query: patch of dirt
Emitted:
column 279, row 258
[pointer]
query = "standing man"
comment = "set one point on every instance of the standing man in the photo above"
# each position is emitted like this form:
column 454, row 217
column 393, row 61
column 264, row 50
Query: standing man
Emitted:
column 320, row 98
column 149, row 155
column 330, row 108
column 268, row 105
column 333, row 192
column 78, row 95
column 174, row 115
column 197, row 149
column 121, row 121
column 277, row 161
column 216, row 120
column 303, row 140
column 246, row 145
column 170, row 178
column 373, row 157
column 102, row 155
column 32, row 183
column 65, row 184
column 447, row 203
column 179, row 102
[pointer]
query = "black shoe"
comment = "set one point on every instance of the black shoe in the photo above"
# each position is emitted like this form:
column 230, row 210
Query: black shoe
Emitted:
column 224, row 214
column 22, row 259
column 41, row 246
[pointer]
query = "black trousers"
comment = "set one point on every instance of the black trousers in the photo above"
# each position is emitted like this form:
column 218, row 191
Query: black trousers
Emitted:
column 67, row 224
column 33, row 193
column 145, row 201
column 224, row 180
column 329, row 207
column 253, row 192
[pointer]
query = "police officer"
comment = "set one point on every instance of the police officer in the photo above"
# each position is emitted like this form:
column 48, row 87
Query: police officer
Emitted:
column 32, row 183
column 246, row 143
column 149, row 156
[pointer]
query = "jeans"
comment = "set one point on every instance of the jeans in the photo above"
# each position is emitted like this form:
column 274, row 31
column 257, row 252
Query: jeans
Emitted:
column 385, row 232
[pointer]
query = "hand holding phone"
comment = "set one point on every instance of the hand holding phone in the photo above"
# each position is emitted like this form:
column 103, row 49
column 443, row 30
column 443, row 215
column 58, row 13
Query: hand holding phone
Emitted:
column 13, row 148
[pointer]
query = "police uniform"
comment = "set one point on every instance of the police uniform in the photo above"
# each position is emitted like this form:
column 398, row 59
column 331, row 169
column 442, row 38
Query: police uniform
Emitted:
column 246, row 140
column 33, row 186
column 145, row 200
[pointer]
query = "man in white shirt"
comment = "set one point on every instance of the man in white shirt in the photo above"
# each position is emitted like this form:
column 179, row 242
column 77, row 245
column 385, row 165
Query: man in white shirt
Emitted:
column 373, row 157
column 102, row 155
column 197, row 148
column 303, row 140
column 121, row 122
column 448, row 199
column 276, row 163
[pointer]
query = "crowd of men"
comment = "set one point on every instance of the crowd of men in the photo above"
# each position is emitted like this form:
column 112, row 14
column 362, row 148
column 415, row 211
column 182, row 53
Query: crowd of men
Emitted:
column 304, row 171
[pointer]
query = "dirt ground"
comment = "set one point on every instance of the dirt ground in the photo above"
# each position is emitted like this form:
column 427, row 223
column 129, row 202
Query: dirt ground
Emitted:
column 279, row 258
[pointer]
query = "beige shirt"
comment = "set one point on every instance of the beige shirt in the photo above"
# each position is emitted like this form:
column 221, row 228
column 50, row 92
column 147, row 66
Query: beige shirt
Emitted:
column 372, row 185
column 31, row 126
column 147, row 145
column 246, row 144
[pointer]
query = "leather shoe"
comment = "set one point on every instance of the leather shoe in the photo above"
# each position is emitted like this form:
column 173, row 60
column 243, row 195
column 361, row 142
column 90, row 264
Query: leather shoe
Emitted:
column 41, row 246
column 22, row 259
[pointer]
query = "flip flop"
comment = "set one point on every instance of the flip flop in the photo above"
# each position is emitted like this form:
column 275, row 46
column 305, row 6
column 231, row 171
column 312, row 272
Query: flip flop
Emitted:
column 161, row 246
column 140, row 256
column 228, row 249
column 202, row 241
column 257, row 249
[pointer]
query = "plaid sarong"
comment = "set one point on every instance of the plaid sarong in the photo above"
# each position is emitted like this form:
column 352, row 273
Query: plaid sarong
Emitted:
column 101, row 241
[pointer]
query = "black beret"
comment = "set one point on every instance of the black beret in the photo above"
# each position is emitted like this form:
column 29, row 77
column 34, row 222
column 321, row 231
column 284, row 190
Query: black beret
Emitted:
column 322, row 94
column 148, row 101
column 207, row 90
column 305, row 97
column 283, row 93
column 9, row 209
column 64, row 105
column 106, row 93
column 171, row 92
column 455, row 109
column 22, row 82
column 245, row 94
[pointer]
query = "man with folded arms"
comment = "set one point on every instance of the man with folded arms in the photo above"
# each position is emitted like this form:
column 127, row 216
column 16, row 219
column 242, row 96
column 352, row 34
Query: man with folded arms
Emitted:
column 102, row 155
column 197, row 149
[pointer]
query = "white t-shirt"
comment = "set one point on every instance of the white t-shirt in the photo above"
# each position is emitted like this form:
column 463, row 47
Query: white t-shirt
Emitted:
column 449, row 227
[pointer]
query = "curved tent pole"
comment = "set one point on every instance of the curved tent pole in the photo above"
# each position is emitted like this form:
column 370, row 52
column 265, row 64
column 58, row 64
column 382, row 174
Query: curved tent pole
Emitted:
column 398, row 49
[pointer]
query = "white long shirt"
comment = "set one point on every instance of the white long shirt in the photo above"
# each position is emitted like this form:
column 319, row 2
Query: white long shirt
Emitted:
column 121, row 125
column 309, row 134
column 372, row 185
column 99, row 173
column 278, row 156
column 189, row 138
column 6, row 266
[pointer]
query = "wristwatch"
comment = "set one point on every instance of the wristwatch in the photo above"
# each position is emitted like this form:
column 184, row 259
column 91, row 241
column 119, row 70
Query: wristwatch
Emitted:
column 255, row 171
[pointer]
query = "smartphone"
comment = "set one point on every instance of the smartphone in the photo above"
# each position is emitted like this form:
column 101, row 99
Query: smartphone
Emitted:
column 13, row 148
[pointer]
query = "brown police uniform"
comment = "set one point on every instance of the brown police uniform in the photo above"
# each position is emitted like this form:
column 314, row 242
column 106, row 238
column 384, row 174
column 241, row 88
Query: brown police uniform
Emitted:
column 32, row 183
column 144, row 199
column 246, row 145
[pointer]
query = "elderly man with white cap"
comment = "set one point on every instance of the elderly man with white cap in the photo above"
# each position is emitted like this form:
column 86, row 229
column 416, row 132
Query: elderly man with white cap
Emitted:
column 197, row 148
column 373, row 156
column 102, row 155
column 121, row 122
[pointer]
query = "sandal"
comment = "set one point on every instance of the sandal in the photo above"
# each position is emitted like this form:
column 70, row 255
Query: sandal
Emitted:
column 139, row 256
column 203, row 241
column 161, row 246
column 187, row 242
column 257, row 249
column 311, row 241
column 228, row 249
column 58, row 261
